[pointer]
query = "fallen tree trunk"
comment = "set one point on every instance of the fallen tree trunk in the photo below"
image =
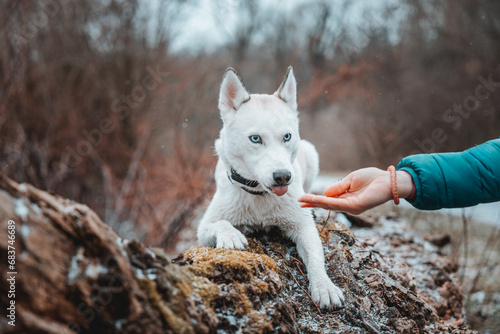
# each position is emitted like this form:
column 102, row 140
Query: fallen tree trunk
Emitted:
column 65, row 271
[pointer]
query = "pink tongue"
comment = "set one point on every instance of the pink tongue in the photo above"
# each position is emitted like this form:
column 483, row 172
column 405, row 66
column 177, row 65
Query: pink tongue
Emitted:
column 280, row 191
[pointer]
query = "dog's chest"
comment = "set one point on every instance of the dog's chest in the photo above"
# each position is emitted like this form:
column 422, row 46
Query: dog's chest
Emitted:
column 261, row 211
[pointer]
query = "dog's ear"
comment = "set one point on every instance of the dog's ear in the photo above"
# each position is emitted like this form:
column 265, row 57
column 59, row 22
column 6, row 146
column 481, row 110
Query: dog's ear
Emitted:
column 287, row 90
column 232, row 92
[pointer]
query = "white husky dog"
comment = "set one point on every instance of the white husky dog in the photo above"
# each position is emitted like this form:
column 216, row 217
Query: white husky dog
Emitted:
column 262, row 170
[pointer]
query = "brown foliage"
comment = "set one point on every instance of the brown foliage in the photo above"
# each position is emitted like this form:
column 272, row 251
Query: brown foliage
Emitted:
column 90, row 111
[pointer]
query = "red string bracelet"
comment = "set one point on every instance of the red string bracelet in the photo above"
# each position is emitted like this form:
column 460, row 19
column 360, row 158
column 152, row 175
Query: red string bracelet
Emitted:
column 394, row 185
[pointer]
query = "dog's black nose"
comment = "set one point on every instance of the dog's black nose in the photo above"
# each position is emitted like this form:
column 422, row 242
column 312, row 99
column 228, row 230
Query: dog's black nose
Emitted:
column 282, row 177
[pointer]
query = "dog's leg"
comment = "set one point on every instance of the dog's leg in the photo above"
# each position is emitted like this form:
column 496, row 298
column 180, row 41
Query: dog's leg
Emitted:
column 308, row 160
column 310, row 249
column 221, row 234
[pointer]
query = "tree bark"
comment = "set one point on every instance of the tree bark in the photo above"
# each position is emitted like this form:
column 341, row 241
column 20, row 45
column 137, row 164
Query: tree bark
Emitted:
column 65, row 271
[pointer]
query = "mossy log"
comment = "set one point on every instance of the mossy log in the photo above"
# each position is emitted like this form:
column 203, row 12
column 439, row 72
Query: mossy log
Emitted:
column 73, row 274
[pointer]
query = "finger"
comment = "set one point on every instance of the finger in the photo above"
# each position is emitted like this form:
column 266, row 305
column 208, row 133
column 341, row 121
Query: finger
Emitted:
column 312, row 199
column 328, row 203
column 308, row 201
column 307, row 198
column 317, row 205
column 338, row 188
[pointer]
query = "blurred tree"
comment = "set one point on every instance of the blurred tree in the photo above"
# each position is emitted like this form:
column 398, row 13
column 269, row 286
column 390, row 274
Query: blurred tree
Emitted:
column 79, row 85
column 326, row 24
column 241, row 22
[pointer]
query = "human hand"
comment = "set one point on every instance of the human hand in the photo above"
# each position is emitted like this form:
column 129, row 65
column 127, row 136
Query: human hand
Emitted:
column 359, row 191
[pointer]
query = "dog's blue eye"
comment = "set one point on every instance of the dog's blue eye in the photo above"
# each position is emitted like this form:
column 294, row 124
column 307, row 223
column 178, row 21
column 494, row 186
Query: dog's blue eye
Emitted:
column 287, row 137
column 256, row 139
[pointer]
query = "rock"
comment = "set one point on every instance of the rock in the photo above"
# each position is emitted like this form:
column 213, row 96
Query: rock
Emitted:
column 440, row 240
column 73, row 274
column 361, row 220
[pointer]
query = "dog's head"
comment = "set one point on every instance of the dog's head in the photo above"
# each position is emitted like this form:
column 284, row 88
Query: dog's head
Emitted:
column 260, row 136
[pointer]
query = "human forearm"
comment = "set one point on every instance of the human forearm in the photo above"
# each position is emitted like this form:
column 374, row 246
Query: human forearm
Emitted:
column 406, row 188
column 446, row 180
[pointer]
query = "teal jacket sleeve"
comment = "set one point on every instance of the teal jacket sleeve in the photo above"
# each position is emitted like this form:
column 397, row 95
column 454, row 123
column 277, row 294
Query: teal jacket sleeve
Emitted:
column 453, row 180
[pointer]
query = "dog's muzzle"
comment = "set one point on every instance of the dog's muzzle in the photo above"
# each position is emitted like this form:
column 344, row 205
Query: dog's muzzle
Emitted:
column 282, row 177
column 282, row 180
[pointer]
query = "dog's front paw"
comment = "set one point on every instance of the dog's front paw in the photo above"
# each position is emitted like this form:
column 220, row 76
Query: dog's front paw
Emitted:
column 231, row 238
column 326, row 294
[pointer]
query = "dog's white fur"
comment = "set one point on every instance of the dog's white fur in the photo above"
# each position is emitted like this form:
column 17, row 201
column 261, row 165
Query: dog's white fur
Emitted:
column 232, row 209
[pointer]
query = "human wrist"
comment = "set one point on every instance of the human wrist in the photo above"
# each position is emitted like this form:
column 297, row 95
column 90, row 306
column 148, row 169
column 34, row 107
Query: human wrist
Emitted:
column 405, row 184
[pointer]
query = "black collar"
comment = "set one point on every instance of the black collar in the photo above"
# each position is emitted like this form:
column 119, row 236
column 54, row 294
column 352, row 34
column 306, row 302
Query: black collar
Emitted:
column 246, row 182
column 238, row 178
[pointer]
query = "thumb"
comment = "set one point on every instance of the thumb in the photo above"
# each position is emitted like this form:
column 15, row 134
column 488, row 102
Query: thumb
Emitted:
column 338, row 188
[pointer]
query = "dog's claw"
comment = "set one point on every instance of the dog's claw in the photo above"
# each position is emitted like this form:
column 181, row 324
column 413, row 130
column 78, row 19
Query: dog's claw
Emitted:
column 327, row 294
column 231, row 239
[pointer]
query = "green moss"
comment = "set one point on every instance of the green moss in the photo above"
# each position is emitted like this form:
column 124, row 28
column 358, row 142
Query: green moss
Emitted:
column 173, row 312
column 208, row 291
column 208, row 262
column 177, row 286
column 258, row 323
column 246, row 274
column 243, row 305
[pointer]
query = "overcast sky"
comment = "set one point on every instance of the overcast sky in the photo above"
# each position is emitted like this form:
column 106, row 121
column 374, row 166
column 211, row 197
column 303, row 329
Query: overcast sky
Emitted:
column 208, row 23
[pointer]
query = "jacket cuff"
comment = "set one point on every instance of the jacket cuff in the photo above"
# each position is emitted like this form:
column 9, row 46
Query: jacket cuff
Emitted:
column 421, row 200
column 416, row 181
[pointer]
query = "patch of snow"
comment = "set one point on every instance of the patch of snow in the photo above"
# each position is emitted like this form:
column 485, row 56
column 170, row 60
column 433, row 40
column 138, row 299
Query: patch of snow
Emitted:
column 122, row 243
column 21, row 209
column 25, row 231
column 150, row 252
column 429, row 247
column 151, row 274
column 70, row 209
column 478, row 297
column 434, row 294
column 342, row 219
column 74, row 268
column 139, row 274
column 23, row 187
column 93, row 271
column 36, row 208
column 231, row 319
column 24, row 255
column 119, row 323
